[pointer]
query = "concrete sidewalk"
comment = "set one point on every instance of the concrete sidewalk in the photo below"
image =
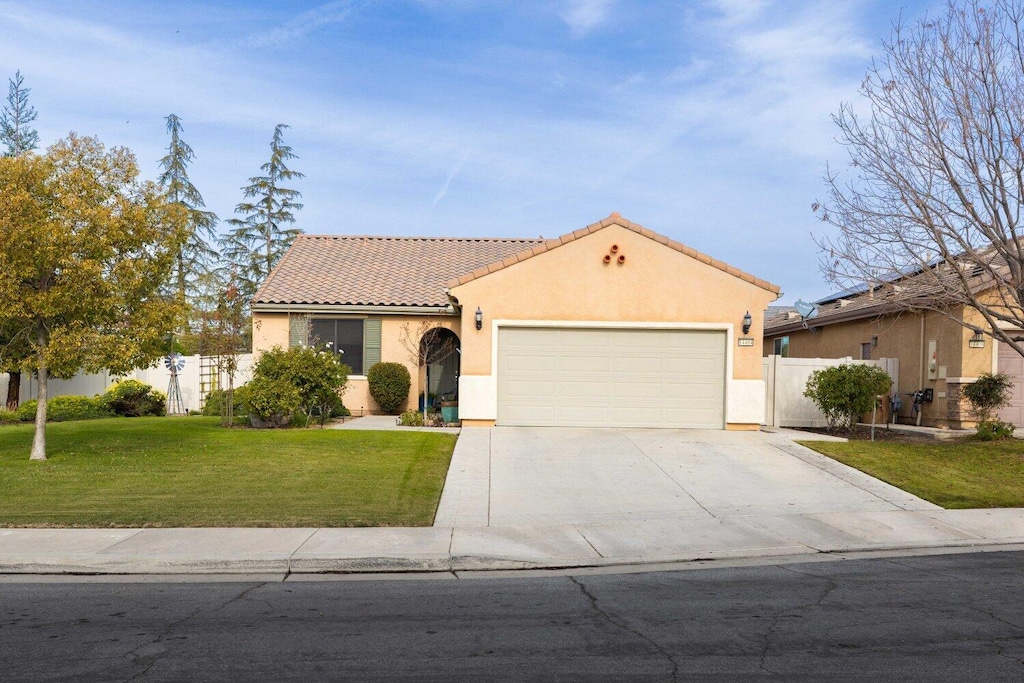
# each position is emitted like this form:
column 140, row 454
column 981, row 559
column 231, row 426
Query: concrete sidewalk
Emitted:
column 449, row 549
column 681, row 516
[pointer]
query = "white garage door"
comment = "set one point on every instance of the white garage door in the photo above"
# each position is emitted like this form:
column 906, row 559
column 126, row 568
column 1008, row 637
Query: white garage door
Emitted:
column 611, row 377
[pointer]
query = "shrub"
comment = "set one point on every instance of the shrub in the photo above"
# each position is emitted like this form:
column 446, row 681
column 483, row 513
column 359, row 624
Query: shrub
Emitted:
column 411, row 418
column 8, row 416
column 64, row 409
column 271, row 401
column 318, row 375
column 132, row 398
column 994, row 430
column 26, row 412
column 215, row 403
column 389, row 385
column 845, row 392
column 991, row 391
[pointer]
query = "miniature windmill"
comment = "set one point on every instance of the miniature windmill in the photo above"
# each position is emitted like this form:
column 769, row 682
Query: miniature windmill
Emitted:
column 174, row 362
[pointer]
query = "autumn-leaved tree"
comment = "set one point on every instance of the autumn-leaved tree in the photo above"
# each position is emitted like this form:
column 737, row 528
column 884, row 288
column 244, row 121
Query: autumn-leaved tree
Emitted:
column 84, row 250
column 931, row 206
column 258, row 240
column 196, row 256
column 17, row 136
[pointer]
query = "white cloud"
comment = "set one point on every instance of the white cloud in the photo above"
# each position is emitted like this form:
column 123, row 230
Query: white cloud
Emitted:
column 584, row 16
column 302, row 25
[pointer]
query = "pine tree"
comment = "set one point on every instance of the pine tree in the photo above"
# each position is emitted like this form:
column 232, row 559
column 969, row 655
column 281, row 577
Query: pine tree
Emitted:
column 258, row 240
column 196, row 256
column 15, row 134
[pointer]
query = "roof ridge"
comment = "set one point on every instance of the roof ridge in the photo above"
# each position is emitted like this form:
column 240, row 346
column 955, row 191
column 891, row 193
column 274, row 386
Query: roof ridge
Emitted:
column 615, row 218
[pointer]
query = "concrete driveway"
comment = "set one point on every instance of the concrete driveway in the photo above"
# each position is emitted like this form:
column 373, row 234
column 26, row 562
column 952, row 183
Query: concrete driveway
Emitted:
column 514, row 476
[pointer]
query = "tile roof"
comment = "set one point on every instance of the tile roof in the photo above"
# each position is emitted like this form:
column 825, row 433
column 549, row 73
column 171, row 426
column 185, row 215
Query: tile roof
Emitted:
column 415, row 271
column 379, row 271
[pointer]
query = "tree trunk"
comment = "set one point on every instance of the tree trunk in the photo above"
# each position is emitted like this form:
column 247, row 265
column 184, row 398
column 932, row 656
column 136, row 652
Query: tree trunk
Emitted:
column 13, row 390
column 39, row 440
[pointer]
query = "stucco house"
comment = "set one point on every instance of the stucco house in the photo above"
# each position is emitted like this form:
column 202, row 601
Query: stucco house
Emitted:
column 935, row 352
column 610, row 325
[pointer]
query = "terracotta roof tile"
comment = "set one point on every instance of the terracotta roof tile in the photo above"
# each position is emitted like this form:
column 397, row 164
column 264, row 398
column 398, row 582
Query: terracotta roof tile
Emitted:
column 380, row 271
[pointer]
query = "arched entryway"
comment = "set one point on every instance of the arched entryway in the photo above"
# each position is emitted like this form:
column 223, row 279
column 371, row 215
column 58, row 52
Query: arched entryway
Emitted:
column 440, row 354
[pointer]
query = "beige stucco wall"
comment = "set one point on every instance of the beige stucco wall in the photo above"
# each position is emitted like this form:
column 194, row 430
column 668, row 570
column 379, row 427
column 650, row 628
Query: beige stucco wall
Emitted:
column 901, row 336
column 656, row 284
column 571, row 282
column 272, row 329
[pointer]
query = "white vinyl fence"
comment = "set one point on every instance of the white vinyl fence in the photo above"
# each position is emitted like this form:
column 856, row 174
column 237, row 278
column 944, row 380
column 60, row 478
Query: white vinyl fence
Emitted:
column 196, row 379
column 786, row 378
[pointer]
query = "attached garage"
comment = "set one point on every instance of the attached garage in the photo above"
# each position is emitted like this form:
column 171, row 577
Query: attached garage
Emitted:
column 610, row 377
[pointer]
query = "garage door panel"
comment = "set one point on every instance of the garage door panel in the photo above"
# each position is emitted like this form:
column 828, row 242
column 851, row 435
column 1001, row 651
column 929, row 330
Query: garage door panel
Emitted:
column 611, row 377
column 1011, row 363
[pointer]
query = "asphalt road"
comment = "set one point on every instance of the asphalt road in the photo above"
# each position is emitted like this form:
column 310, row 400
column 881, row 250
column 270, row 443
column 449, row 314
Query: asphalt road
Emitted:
column 950, row 617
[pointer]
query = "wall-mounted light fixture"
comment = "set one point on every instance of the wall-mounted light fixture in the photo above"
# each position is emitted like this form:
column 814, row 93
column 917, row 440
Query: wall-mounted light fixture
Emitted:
column 479, row 318
column 874, row 341
column 977, row 341
column 747, row 322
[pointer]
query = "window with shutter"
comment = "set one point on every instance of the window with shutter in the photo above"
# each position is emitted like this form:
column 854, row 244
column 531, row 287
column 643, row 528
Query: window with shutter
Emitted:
column 298, row 330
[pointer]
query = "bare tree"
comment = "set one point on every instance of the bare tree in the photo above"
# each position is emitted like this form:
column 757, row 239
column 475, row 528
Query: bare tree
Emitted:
column 930, row 209
column 427, row 344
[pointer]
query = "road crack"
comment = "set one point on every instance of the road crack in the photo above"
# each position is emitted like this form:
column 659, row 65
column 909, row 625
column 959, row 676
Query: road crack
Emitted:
column 626, row 627
column 148, row 661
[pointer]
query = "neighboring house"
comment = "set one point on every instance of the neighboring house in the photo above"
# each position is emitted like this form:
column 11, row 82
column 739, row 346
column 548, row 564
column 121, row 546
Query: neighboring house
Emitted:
column 612, row 325
column 934, row 351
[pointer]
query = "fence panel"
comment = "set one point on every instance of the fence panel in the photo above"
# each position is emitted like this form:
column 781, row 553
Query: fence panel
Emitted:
column 786, row 379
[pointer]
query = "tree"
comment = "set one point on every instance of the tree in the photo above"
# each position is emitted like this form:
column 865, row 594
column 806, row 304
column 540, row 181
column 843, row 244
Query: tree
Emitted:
column 258, row 240
column 932, row 213
column 196, row 256
column 222, row 327
column 17, row 138
column 15, row 133
column 84, row 249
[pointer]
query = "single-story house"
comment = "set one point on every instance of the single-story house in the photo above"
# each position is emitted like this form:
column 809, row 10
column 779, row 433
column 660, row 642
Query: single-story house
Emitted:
column 935, row 352
column 612, row 325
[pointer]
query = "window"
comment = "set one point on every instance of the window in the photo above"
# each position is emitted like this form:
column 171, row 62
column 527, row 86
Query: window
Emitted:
column 782, row 347
column 865, row 351
column 358, row 339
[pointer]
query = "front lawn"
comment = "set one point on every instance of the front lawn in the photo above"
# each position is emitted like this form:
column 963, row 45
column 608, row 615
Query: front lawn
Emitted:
column 188, row 472
column 961, row 474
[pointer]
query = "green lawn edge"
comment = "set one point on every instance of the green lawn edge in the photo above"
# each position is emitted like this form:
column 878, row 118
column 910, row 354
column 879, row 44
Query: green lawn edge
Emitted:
column 953, row 475
column 191, row 472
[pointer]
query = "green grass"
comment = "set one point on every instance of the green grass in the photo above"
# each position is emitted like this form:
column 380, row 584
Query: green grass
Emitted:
column 963, row 474
column 189, row 472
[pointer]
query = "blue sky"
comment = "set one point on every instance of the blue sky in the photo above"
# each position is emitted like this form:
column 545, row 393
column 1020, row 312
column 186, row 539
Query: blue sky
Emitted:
column 704, row 120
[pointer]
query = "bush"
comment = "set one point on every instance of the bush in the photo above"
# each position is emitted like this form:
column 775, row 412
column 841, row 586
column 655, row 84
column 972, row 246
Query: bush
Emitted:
column 215, row 403
column 411, row 418
column 64, row 409
column 845, row 392
column 132, row 398
column 994, row 430
column 26, row 412
column 389, row 385
column 317, row 375
column 988, row 393
column 272, row 402
column 8, row 416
